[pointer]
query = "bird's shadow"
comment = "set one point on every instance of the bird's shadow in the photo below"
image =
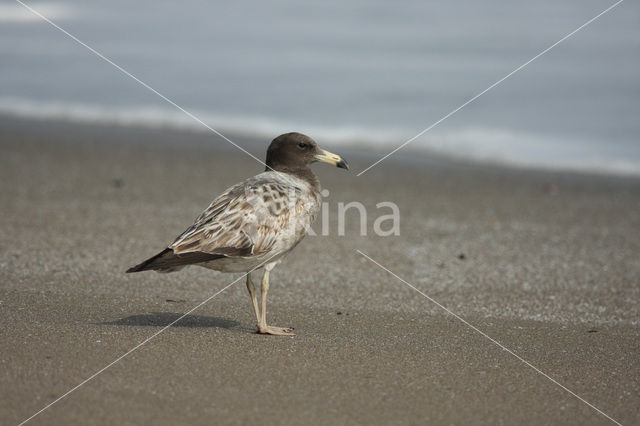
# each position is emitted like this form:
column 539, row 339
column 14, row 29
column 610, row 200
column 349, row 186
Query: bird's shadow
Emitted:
column 163, row 319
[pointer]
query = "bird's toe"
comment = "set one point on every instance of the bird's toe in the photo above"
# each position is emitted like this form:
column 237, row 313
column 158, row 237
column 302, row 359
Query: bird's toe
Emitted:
column 276, row 331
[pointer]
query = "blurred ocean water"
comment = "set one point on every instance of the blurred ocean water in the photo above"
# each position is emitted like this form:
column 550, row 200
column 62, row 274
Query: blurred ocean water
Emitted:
column 362, row 72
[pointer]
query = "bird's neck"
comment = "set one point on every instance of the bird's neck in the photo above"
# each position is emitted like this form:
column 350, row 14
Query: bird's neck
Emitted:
column 304, row 173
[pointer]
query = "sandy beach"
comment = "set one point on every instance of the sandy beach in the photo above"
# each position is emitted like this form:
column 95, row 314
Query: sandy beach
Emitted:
column 546, row 263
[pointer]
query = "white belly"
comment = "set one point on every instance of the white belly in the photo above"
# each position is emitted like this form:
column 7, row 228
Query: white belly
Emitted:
column 242, row 264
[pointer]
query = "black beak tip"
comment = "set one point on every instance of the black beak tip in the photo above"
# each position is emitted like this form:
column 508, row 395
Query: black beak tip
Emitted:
column 342, row 165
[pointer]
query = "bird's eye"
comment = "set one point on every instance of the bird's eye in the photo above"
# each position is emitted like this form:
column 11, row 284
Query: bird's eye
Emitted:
column 302, row 145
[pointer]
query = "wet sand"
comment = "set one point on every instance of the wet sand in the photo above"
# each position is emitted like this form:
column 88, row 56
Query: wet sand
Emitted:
column 555, row 278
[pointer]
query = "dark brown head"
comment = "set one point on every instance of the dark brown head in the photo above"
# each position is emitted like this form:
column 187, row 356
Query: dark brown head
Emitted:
column 295, row 151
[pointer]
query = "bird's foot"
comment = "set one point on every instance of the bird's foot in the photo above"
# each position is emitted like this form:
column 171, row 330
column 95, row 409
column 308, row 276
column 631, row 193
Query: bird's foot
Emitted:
column 276, row 331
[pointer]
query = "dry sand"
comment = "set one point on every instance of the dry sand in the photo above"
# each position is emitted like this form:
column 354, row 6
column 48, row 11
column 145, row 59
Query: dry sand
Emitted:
column 554, row 278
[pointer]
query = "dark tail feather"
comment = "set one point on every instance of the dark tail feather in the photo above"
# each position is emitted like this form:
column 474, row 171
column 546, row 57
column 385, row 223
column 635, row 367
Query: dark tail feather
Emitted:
column 167, row 259
column 148, row 264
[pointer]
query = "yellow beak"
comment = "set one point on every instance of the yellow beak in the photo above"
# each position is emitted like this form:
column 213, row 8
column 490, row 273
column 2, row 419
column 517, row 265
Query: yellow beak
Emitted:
column 331, row 158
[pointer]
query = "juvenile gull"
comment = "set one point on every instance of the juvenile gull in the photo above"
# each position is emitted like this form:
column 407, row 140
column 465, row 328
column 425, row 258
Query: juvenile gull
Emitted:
column 255, row 223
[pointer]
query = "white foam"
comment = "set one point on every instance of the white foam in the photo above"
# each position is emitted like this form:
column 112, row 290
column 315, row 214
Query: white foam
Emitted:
column 520, row 149
column 491, row 145
column 157, row 117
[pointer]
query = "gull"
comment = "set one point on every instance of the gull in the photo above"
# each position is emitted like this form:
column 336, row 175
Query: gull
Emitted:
column 255, row 223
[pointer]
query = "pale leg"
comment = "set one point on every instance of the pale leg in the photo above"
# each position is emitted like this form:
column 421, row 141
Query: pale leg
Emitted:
column 263, row 328
column 254, row 297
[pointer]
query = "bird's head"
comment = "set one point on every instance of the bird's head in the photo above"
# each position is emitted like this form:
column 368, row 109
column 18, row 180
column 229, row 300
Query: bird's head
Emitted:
column 295, row 151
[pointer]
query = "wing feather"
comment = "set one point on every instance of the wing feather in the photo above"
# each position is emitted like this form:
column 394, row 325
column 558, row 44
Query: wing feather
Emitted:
column 248, row 218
